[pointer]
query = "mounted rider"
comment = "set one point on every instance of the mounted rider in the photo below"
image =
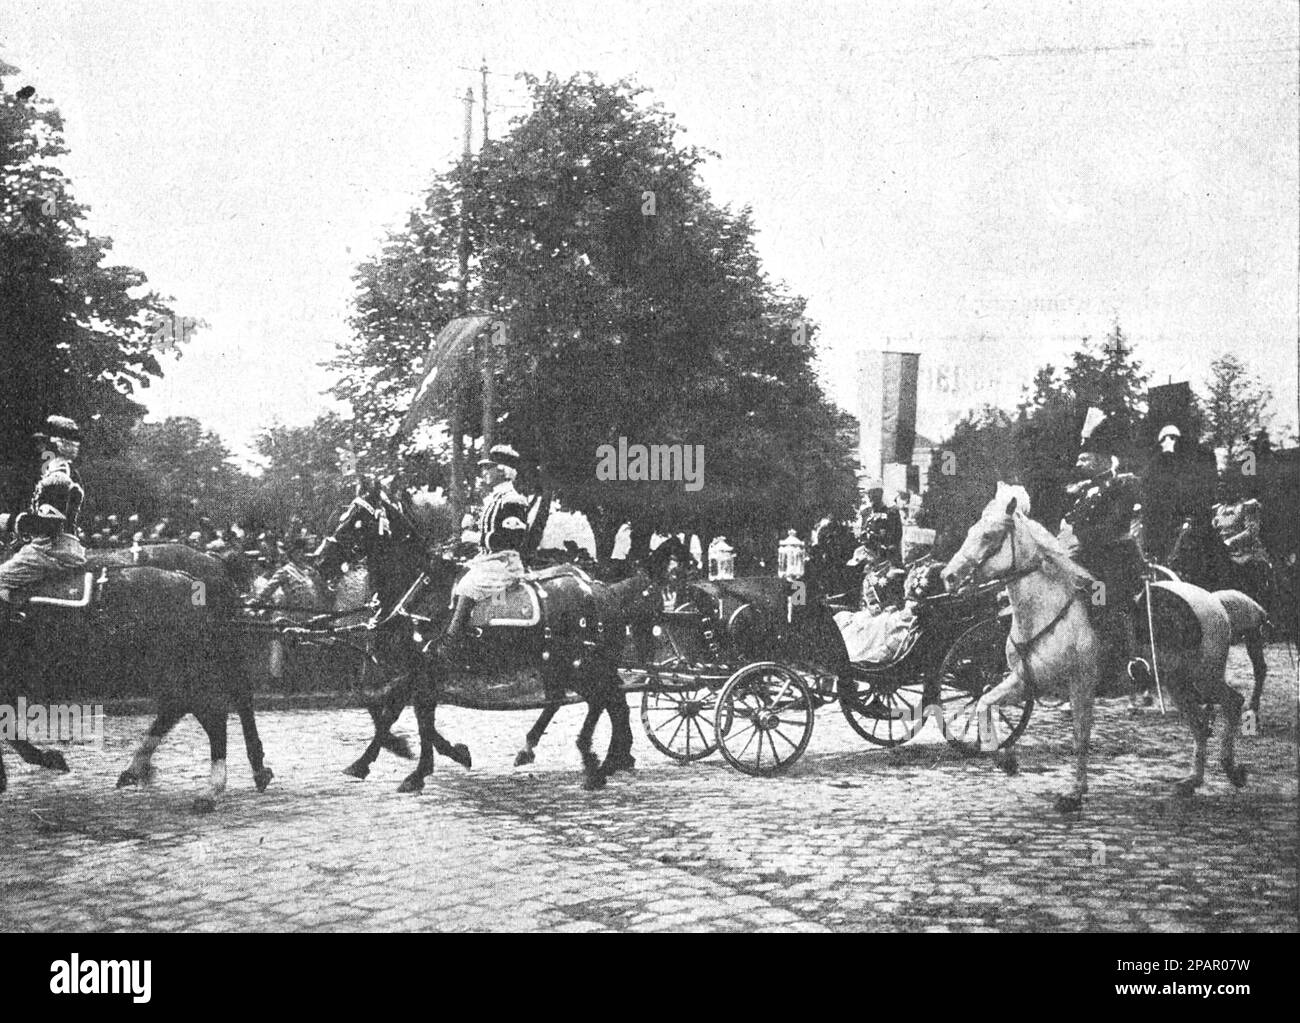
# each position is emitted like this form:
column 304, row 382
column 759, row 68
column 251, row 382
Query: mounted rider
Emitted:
column 1098, row 533
column 51, row 520
column 881, row 526
column 503, row 536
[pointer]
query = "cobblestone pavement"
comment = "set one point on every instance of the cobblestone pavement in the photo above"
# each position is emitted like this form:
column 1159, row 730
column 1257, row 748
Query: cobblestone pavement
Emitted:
column 854, row 838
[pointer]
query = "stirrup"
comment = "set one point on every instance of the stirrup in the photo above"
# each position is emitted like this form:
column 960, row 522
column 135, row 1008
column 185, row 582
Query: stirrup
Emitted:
column 1139, row 672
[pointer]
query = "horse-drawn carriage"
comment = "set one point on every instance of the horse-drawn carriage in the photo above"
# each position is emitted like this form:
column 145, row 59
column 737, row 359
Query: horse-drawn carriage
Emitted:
column 747, row 667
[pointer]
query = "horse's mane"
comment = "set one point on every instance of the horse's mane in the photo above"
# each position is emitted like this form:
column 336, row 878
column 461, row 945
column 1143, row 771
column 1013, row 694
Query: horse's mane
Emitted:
column 1054, row 556
column 1055, row 560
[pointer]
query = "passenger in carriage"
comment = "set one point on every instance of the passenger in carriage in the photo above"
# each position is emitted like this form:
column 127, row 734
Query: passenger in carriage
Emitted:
column 503, row 535
column 52, row 519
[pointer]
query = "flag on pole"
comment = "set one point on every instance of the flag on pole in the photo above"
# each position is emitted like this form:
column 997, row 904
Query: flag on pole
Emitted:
column 442, row 366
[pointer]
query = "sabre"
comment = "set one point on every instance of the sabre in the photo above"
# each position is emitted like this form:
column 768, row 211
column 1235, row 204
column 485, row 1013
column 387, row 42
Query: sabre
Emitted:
column 1151, row 635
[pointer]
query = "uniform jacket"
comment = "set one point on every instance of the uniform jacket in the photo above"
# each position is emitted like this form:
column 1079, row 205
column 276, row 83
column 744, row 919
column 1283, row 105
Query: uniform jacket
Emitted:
column 503, row 524
column 60, row 488
column 882, row 531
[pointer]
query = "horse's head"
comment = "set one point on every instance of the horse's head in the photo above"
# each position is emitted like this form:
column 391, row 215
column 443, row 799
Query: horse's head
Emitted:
column 371, row 522
column 989, row 550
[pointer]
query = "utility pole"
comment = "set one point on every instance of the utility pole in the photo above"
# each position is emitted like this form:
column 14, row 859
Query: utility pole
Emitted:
column 483, row 71
column 487, row 342
column 456, row 423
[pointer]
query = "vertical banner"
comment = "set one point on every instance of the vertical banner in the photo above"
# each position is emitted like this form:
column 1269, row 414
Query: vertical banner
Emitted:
column 870, row 455
column 1169, row 403
column 899, row 371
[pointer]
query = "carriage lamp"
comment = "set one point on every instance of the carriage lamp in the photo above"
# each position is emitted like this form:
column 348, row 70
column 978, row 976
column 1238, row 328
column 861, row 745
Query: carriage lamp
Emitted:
column 790, row 557
column 722, row 559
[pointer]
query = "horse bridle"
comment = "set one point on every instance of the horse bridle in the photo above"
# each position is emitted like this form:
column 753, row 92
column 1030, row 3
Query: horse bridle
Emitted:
column 1023, row 648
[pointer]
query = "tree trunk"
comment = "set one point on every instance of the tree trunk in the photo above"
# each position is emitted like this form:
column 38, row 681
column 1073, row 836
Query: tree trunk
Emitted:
column 605, row 530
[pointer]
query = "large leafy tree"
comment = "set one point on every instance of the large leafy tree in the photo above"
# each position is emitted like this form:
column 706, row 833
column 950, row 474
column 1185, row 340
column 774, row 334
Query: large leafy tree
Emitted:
column 309, row 475
column 191, row 470
column 73, row 330
column 1237, row 405
column 633, row 306
column 1038, row 446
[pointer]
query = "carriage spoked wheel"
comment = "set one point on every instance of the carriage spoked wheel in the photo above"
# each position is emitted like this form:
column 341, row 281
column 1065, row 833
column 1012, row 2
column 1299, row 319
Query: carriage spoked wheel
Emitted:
column 884, row 712
column 975, row 664
column 679, row 723
column 764, row 718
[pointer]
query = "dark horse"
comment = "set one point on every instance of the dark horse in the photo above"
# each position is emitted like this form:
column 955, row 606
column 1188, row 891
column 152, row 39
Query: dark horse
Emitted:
column 139, row 626
column 1248, row 590
column 574, row 647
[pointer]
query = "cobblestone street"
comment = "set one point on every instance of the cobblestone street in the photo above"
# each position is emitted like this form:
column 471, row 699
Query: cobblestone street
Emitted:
column 853, row 838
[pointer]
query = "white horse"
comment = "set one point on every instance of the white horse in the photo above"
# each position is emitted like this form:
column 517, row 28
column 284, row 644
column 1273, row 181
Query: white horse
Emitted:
column 1053, row 646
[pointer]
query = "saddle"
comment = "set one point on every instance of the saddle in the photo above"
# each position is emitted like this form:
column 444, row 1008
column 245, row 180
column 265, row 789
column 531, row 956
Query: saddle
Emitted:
column 537, row 598
column 74, row 589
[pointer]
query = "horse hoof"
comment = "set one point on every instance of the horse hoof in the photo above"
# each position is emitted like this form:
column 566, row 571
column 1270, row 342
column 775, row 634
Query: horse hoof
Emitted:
column 460, row 754
column 1237, row 774
column 357, row 770
column 55, row 761
column 1069, row 804
column 593, row 782
column 413, row 784
column 1186, row 788
column 524, row 757
column 1006, row 762
column 127, row 779
column 263, row 778
column 204, row 804
column 624, row 763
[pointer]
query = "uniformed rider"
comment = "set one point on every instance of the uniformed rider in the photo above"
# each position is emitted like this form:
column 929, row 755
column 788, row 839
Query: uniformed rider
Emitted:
column 503, row 535
column 51, row 520
column 882, row 526
column 1098, row 533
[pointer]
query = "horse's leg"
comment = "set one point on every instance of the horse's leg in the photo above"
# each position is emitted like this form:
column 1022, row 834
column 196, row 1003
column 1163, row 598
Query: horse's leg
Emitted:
column 1012, row 686
column 620, row 755
column 214, row 723
column 426, row 706
column 1082, row 689
column 140, row 771
column 38, row 757
column 262, row 774
column 4, row 781
column 1232, row 702
column 1198, row 720
column 593, row 777
column 1255, row 650
column 385, row 715
column 534, row 736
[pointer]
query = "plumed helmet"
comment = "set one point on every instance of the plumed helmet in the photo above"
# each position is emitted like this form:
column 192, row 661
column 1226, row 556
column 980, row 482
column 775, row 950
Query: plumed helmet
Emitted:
column 62, row 426
column 1103, row 438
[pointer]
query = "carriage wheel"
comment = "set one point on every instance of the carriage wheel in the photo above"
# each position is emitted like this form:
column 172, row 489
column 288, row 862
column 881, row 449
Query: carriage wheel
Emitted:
column 974, row 664
column 764, row 718
column 883, row 714
column 679, row 724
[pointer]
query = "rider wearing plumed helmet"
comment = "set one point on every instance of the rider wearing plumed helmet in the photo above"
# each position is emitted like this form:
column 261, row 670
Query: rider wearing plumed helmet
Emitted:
column 1098, row 532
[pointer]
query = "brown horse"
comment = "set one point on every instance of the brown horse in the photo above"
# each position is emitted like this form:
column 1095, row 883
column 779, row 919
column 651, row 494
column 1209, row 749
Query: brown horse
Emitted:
column 144, row 628
column 1053, row 645
column 575, row 649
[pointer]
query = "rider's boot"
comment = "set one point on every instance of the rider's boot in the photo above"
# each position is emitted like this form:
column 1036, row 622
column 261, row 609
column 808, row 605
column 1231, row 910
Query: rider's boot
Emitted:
column 453, row 648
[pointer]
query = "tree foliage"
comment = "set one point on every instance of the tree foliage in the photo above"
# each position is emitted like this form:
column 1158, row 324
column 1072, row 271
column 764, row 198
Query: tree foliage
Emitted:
column 1237, row 405
column 634, row 307
column 73, row 329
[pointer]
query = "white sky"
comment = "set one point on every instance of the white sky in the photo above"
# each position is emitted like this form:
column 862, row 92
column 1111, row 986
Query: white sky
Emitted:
column 981, row 182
